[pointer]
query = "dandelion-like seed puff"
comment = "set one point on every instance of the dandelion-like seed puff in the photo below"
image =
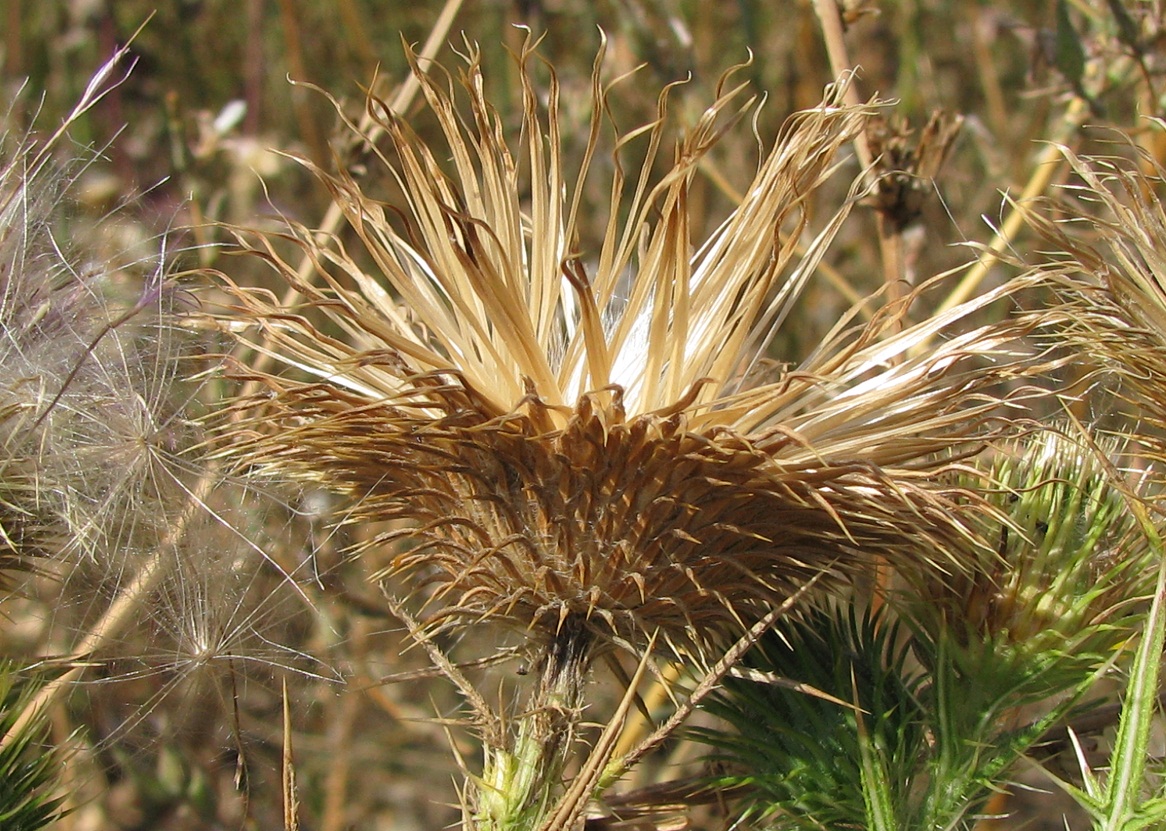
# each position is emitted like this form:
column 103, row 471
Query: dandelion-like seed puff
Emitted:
column 570, row 435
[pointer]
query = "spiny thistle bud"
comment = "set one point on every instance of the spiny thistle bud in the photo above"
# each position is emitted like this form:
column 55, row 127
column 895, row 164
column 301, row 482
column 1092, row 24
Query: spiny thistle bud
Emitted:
column 935, row 719
column 1069, row 563
column 1109, row 265
column 562, row 433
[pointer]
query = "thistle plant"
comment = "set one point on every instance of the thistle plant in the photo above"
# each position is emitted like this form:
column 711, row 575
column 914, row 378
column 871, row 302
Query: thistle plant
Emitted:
column 1108, row 267
column 589, row 446
column 582, row 441
column 921, row 710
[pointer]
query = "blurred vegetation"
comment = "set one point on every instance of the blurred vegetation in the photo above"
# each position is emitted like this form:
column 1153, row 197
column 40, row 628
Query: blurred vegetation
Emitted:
column 184, row 144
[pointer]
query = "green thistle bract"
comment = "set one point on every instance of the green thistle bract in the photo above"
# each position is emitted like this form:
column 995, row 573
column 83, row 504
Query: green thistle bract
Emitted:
column 28, row 771
column 1069, row 564
column 793, row 755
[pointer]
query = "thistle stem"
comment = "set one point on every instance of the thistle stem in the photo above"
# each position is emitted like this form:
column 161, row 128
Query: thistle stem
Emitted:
column 518, row 784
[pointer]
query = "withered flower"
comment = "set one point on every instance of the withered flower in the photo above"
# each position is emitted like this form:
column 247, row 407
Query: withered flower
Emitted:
column 907, row 165
column 581, row 439
column 1110, row 267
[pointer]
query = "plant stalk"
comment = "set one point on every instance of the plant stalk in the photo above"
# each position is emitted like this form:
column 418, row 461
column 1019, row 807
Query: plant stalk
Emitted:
column 518, row 785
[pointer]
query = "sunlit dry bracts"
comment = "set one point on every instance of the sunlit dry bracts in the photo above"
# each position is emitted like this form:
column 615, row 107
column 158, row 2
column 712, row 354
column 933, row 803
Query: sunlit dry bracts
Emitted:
column 567, row 432
column 1109, row 262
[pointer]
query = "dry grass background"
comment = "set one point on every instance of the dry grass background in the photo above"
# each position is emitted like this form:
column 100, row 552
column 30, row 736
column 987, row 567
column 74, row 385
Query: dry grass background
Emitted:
column 175, row 720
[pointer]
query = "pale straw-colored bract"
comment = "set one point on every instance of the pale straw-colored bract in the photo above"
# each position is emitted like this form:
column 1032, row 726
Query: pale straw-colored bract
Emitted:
column 581, row 430
column 1110, row 267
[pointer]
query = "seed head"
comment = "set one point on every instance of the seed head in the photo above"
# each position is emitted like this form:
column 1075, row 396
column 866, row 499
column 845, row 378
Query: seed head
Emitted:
column 85, row 375
column 564, row 432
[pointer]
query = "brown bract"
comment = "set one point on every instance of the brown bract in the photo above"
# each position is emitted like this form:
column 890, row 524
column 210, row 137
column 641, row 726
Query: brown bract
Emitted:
column 633, row 525
column 584, row 434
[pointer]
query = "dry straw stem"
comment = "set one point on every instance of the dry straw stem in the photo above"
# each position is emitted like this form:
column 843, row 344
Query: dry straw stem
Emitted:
column 890, row 241
column 589, row 434
column 1046, row 168
column 291, row 803
column 830, row 19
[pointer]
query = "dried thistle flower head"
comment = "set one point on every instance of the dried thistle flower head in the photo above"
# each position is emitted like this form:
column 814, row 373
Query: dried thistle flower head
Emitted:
column 1110, row 267
column 573, row 433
